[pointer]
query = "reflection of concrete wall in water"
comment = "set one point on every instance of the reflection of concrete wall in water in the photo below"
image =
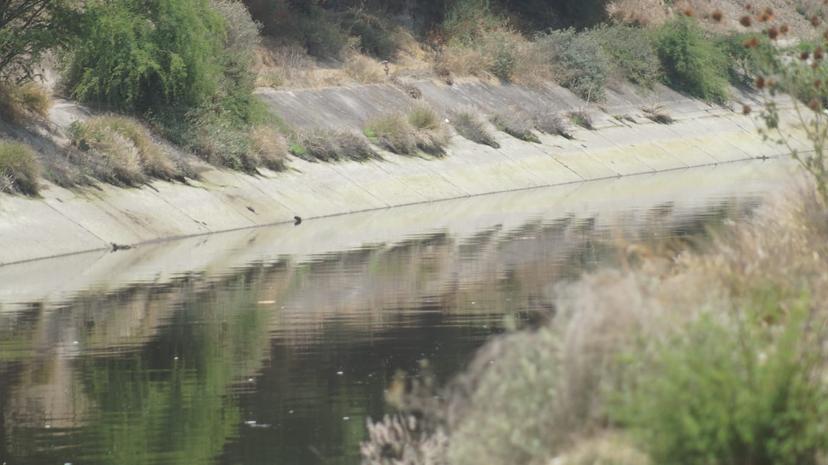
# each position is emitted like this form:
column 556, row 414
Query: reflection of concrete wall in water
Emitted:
column 503, row 250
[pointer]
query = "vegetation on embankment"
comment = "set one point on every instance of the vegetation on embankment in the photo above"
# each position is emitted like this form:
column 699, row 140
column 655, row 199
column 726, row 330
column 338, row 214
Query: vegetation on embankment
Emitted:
column 711, row 356
column 185, row 70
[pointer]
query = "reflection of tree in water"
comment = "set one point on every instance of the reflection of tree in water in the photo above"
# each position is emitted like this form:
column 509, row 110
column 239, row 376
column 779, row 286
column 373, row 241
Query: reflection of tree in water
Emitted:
column 167, row 402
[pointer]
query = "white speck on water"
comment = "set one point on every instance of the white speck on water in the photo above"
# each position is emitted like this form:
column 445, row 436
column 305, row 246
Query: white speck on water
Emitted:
column 340, row 373
column 346, row 418
column 290, row 412
column 267, row 302
column 250, row 422
column 474, row 303
column 249, row 380
column 75, row 342
column 48, row 426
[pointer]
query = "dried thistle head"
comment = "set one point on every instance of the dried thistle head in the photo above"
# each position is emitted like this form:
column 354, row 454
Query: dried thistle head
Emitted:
column 688, row 12
column 746, row 109
column 815, row 21
column 804, row 55
column 717, row 16
column 814, row 104
column 819, row 53
column 783, row 29
column 752, row 42
column 745, row 21
column 760, row 82
column 773, row 33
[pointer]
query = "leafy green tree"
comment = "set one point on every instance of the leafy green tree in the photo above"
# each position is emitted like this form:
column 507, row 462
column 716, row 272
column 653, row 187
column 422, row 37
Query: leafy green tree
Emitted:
column 141, row 56
column 27, row 29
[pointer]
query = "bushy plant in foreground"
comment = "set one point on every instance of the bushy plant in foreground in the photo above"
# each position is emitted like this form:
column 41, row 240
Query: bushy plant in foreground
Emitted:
column 728, row 391
column 692, row 62
column 19, row 168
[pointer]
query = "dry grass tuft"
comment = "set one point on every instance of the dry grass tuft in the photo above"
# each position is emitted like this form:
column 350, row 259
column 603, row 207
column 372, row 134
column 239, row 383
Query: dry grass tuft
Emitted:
column 120, row 150
column 406, row 134
column 19, row 169
column 269, row 148
column 468, row 125
column 327, row 145
column 364, row 69
column 552, row 123
column 516, row 124
column 393, row 133
column 582, row 118
column 25, row 102
column 658, row 114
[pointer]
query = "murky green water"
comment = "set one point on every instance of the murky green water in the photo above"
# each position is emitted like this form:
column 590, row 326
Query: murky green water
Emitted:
column 274, row 346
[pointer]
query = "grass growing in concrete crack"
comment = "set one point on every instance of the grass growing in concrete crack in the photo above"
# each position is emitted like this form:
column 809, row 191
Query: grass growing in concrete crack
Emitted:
column 421, row 129
column 121, row 151
column 553, row 124
column 582, row 118
column 657, row 114
column 516, row 124
column 329, row 145
column 469, row 126
column 19, row 169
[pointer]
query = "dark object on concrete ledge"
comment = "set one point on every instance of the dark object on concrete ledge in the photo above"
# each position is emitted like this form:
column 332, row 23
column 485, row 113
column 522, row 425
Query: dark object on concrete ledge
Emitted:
column 297, row 220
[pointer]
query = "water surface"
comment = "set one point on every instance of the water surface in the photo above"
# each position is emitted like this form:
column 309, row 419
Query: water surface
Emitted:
column 274, row 346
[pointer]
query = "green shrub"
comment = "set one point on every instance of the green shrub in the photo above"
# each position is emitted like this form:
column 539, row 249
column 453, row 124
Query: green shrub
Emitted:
column 732, row 392
column 744, row 63
column 472, row 128
column 19, row 168
column 578, row 61
column 631, row 51
column 692, row 62
column 137, row 56
column 516, row 124
column 120, row 150
column 376, row 38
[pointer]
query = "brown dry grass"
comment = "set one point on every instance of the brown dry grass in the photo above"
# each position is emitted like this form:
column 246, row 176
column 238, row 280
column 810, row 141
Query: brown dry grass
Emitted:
column 270, row 149
column 121, row 150
column 22, row 103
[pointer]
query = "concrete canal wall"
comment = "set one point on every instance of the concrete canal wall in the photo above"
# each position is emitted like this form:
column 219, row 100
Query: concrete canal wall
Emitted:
column 71, row 221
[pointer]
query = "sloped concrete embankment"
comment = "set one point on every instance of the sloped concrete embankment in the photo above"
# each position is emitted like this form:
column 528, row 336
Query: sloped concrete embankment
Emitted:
column 70, row 221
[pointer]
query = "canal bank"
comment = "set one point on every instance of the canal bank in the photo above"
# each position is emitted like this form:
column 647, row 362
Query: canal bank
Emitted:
column 623, row 143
